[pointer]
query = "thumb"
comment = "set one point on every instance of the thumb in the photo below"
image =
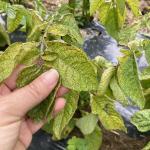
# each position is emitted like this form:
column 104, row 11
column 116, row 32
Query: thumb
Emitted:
column 24, row 99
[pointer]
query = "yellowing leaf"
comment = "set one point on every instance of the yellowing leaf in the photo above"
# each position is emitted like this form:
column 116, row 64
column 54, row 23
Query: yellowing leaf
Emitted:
column 105, row 80
column 141, row 120
column 15, row 54
column 105, row 109
column 129, row 81
column 63, row 118
column 146, row 47
column 75, row 69
column 117, row 92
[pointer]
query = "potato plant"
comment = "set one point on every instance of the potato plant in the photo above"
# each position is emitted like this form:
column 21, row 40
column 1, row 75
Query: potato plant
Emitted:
column 53, row 40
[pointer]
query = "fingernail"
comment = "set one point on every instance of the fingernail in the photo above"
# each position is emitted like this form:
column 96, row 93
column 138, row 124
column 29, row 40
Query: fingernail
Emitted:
column 51, row 76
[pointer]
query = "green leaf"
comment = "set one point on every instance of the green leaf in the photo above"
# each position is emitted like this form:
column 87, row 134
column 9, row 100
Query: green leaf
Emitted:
column 13, row 21
column 75, row 69
column 87, row 123
column 117, row 92
column 128, row 79
column 3, row 6
column 77, row 144
column 4, row 37
column 94, row 140
column 111, row 17
column 90, row 142
column 141, row 120
column 17, row 53
column 146, row 48
column 39, row 6
column 134, row 5
column 63, row 118
column 147, row 147
column 64, row 17
column 105, row 80
column 105, row 109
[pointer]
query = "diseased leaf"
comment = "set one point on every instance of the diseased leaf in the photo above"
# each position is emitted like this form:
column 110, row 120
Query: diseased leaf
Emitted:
column 129, row 81
column 73, row 66
column 63, row 118
column 105, row 109
column 17, row 53
column 13, row 21
column 64, row 17
column 105, row 80
column 117, row 92
column 141, row 120
column 87, row 123
column 146, row 47
column 28, row 74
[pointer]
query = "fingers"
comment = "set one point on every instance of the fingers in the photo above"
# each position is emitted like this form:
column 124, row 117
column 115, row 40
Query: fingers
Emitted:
column 26, row 98
column 59, row 105
column 10, row 82
column 61, row 91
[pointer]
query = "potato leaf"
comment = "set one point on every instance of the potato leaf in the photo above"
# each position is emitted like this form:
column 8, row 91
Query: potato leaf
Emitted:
column 4, row 37
column 141, row 120
column 105, row 109
column 17, row 53
column 117, row 92
column 129, row 81
column 147, row 147
column 105, row 80
column 146, row 48
column 111, row 16
column 63, row 118
column 87, row 123
column 73, row 66
column 92, row 141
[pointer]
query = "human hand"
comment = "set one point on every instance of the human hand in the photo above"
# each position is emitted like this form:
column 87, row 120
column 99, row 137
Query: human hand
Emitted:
column 16, row 129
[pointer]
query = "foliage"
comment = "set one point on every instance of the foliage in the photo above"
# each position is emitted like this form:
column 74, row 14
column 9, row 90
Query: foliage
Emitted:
column 112, row 13
column 54, row 41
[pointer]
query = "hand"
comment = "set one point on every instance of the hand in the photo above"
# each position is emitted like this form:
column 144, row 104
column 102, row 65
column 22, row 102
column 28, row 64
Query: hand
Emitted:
column 16, row 129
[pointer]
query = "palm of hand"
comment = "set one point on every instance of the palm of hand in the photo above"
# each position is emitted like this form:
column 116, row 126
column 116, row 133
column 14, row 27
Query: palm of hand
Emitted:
column 16, row 129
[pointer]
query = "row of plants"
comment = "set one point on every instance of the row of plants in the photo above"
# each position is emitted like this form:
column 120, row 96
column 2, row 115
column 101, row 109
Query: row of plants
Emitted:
column 53, row 40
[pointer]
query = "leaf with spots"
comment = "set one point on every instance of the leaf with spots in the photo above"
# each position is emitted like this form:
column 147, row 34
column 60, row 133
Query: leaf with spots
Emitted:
column 63, row 118
column 104, row 107
column 17, row 53
column 128, row 79
column 141, row 120
column 73, row 66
